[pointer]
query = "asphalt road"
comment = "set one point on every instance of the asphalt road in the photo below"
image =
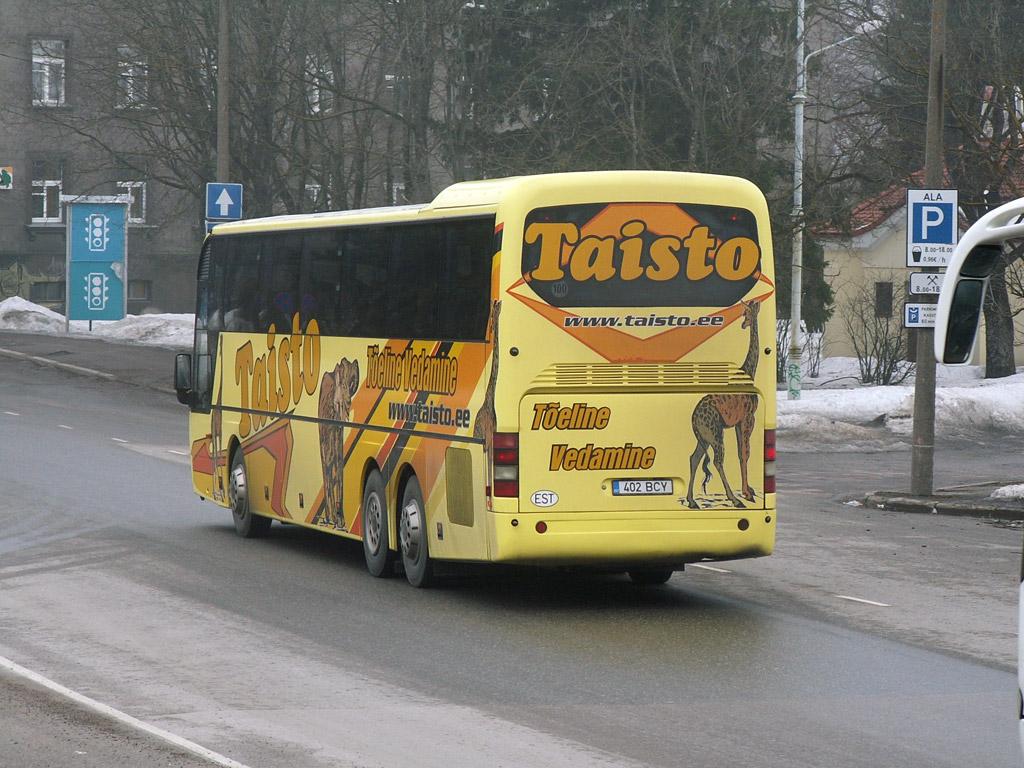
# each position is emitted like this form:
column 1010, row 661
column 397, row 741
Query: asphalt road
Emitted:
column 117, row 582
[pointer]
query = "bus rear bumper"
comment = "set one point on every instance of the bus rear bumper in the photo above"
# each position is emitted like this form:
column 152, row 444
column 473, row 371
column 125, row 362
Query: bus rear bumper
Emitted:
column 603, row 539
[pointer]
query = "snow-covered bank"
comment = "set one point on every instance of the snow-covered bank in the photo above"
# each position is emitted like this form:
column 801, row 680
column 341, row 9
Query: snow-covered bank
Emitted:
column 164, row 330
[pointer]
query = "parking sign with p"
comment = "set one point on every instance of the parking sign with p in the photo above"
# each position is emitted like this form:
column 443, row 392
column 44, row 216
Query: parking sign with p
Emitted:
column 932, row 230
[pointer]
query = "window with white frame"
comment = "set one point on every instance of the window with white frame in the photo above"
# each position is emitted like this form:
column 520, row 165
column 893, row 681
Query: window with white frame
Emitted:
column 136, row 191
column 49, row 63
column 132, row 79
column 47, row 184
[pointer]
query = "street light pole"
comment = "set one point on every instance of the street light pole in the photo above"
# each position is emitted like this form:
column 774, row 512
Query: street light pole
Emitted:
column 794, row 377
column 796, row 350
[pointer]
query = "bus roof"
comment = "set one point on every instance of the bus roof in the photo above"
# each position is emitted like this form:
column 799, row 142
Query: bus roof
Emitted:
column 468, row 198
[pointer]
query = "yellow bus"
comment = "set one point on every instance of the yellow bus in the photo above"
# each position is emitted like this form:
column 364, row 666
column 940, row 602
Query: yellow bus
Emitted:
column 567, row 370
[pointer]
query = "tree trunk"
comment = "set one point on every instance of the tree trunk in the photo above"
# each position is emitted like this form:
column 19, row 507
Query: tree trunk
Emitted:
column 999, row 358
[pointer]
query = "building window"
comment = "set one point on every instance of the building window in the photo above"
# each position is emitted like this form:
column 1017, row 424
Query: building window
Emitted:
column 319, row 84
column 140, row 290
column 883, row 299
column 314, row 191
column 397, row 193
column 136, row 191
column 48, row 292
column 132, row 79
column 47, row 183
column 49, row 60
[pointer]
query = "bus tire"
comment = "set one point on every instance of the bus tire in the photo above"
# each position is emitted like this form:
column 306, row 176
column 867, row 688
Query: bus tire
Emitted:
column 412, row 536
column 379, row 559
column 650, row 576
column 248, row 525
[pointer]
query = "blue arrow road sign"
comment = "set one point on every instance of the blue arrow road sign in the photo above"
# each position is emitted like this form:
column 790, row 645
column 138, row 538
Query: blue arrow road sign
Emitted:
column 223, row 201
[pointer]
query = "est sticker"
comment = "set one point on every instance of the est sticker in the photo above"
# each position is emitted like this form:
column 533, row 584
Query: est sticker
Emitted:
column 544, row 498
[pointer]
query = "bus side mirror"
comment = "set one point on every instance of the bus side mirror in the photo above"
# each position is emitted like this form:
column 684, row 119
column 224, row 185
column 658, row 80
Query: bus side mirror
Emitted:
column 966, row 303
column 964, row 318
column 183, row 377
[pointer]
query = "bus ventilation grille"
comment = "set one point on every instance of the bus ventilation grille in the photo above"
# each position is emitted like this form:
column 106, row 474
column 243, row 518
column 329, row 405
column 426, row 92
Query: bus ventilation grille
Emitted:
column 640, row 375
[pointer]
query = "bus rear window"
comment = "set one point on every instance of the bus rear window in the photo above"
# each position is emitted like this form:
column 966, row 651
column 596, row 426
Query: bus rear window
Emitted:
column 641, row 254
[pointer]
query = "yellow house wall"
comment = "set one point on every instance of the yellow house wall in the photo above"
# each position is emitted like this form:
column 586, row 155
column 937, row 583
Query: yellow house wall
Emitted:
column 880, row 256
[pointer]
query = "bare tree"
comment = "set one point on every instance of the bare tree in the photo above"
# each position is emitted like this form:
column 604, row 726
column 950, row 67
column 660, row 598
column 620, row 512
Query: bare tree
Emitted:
column 984, row 142
column 877, row 334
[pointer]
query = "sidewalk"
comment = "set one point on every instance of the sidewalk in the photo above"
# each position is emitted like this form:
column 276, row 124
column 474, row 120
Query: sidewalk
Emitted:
column 965, row 500
column 138, row 364
column 153, row 368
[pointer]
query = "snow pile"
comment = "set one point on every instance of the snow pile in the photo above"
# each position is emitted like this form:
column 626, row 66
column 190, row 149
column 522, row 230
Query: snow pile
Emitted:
column 837, row 411
column 16, row 314
column 1008, row 492
column 165, row 330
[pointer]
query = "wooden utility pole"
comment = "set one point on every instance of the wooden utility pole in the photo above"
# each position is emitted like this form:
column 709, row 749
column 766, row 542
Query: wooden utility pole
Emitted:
column 223, row 156
column 923, row 449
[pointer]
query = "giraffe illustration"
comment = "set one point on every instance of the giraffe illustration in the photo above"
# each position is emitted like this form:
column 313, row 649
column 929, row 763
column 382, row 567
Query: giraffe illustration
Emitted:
column 486, row 422
column 718, row 412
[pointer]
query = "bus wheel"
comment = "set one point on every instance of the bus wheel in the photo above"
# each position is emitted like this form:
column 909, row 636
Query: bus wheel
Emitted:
column 412, row 536
column 650, row 576
column 247, row 524
column 375, row 527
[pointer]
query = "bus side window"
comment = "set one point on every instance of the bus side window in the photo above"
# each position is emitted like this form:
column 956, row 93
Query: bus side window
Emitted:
column 466, row 280
column 279, row 281
column 364, row 281
column 414, row 274
column 320, row 288
column 212, row 315
column 241, row 284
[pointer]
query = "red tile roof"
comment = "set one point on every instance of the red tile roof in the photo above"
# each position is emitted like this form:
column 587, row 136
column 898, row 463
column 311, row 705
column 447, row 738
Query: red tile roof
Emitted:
column 877, row 210
column 871, row 213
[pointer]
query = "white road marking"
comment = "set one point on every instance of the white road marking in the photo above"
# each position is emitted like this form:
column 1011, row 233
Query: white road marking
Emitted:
column 161, row 452
column 121, row 717
column 64, row 426
column 11, row 413
column 709, row 568
column 118, row 440
column 862, row 600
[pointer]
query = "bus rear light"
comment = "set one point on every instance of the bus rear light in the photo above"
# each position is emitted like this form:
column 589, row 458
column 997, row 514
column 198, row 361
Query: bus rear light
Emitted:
column 505, row 450
column 541, row 526
column 769, row 461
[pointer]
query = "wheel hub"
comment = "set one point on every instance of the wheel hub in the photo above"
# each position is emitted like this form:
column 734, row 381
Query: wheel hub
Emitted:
column 237, row 489
column 411, row 531
column 373, row 523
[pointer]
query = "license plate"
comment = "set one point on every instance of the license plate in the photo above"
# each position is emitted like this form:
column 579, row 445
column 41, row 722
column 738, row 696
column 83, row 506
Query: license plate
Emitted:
column 641, row 487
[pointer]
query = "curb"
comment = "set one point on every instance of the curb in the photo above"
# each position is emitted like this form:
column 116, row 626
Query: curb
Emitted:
column 77, row 369
column 961, row 501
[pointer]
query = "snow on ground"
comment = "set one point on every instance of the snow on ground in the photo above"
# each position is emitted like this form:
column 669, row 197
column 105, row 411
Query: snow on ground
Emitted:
column 835, row 412
column 166, row 330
